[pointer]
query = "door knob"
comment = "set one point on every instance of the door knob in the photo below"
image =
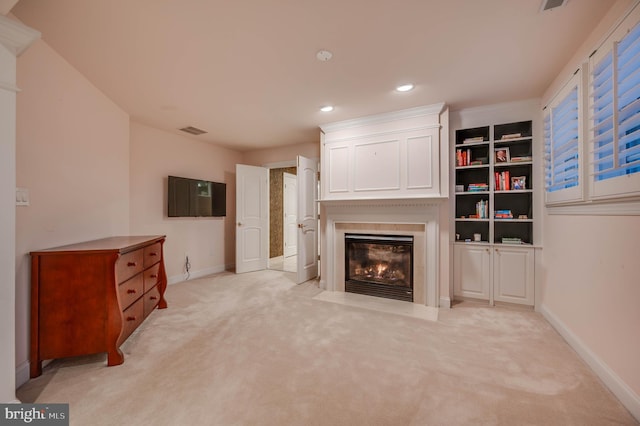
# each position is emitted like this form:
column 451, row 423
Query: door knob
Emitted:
column 239, row 223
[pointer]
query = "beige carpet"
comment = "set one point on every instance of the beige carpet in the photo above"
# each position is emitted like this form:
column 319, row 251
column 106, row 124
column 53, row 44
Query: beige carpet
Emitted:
column 255, row 349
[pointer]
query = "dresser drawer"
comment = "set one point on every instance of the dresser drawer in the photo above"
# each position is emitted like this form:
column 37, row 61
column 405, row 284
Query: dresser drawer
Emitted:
column 151, row 299
column 132, row 317
column 129, row 264
column 151, row 276
column 152, row 254
column 130, row 291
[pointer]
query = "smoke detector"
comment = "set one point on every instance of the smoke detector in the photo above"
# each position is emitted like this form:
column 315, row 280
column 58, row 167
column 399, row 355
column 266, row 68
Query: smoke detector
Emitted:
column 324, row 55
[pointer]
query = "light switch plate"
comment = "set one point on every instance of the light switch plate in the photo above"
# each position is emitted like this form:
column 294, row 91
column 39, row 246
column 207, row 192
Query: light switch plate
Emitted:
column 22, row 197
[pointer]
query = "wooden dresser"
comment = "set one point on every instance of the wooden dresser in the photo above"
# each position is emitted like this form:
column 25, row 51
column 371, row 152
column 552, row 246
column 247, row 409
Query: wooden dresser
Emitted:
column 89, row 297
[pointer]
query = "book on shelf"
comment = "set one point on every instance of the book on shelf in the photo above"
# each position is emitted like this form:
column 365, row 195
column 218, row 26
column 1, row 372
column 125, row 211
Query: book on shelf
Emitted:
column 482, row 209
column 503, row 182
column 511, row 240
column 522, row 158
column 463, row 157
column 477, row 187
column 511, row 136
column 474, row 139
column 503, row 214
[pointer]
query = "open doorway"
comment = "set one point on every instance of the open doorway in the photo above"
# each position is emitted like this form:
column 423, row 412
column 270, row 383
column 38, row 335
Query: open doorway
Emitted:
column 283, row 219
column 253, row 216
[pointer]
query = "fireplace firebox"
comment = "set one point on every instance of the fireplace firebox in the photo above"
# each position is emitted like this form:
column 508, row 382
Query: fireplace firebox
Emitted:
column 379, row 265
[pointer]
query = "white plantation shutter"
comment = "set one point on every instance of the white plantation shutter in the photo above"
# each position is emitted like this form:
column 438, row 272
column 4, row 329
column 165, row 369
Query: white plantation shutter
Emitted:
column 629, row 102
column 562, row 144
column 602, row 117
column 614, row 104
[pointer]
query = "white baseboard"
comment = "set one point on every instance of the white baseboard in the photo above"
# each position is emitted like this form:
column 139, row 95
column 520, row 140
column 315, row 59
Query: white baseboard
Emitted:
column 620, row 389
column 196, row 274
column 445, row 302
column 22, row 374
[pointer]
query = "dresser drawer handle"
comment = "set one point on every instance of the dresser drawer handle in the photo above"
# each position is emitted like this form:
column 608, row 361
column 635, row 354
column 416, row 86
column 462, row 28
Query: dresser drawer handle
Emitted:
column 153, row 298
column 131, row 318
column 153, row 276
column 131, row 264
column 131, row 291
column 153, row 253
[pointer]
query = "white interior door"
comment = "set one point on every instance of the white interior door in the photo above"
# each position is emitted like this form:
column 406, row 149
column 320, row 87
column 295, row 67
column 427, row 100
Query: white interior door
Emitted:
column 290, row 207
column 307, row 219
column 252, row 218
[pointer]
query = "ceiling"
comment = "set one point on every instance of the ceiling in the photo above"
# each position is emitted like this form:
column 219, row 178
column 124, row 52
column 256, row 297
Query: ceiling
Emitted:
column 246, row 71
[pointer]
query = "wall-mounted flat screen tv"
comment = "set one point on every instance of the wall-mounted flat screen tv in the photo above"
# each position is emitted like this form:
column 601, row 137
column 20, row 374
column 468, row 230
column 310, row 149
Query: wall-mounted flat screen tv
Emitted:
column 196, row 198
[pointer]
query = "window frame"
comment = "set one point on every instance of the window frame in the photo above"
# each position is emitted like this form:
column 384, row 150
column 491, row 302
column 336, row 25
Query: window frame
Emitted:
column 625, row 186
column 575, row 193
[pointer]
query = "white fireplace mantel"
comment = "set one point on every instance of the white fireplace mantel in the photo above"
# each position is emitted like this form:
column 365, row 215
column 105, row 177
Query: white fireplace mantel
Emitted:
column 400, row 154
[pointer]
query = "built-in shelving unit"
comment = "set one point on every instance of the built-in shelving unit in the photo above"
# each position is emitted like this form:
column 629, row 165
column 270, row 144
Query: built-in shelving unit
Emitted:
column 493, row 178
column 494, row 223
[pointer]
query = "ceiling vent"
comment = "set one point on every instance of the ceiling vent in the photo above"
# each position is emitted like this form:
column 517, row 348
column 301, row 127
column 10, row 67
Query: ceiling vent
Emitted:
column 552, row 4
column 193, row 130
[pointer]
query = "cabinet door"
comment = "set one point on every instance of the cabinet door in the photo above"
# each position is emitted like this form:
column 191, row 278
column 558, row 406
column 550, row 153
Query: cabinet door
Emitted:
column 472, row 271
column 513, row 279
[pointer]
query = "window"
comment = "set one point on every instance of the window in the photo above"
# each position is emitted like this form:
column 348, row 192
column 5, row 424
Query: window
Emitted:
column 562, row 138
column 614, row 105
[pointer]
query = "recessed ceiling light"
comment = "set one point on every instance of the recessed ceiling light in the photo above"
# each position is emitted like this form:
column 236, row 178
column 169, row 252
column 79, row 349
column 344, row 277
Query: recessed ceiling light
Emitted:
column 327, row 108
column 404, row 87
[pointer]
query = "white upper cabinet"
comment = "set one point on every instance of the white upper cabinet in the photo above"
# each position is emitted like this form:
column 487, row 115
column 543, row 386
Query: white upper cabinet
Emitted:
column 401, row 154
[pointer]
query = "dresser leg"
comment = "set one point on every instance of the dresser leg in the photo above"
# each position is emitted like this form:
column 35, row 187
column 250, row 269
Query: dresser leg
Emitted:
column 35, row 368
column 115, row 357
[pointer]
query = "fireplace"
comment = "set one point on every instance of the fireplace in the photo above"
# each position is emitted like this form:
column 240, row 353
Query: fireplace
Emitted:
column 379, row 265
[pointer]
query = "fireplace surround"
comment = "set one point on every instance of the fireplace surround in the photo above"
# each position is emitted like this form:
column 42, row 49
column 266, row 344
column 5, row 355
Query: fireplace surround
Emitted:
column 415, row 218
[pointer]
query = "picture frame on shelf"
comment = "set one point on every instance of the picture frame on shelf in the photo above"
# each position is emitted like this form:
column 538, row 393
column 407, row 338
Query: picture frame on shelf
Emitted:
column 502, row 155
column 518, row 182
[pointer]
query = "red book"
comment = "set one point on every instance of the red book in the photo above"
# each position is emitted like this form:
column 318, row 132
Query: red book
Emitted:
column 507, row 181
column 497, row 188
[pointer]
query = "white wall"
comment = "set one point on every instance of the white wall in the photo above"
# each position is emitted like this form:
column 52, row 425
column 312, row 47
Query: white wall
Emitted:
column 260, row 157
column 14, row 38
column 209, row 242
column 591, row 287
column 73, row 156
column 7, row 224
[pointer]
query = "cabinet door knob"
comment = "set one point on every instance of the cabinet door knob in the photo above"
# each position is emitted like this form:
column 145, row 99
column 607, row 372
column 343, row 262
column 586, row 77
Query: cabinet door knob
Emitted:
column 153, row 298
column 153, row 276
column 131, row 264
column 131, row 291
column 153, row 253
column 131, row 318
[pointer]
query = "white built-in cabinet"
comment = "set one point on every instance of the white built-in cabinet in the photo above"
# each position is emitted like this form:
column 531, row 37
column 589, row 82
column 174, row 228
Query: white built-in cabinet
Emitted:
column 387, row 156
column 494, row 273
column 472, row 271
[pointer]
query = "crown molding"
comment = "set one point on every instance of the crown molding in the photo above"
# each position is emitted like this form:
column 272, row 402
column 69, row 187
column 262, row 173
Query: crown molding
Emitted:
column 15, row 36
column 384, row 118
